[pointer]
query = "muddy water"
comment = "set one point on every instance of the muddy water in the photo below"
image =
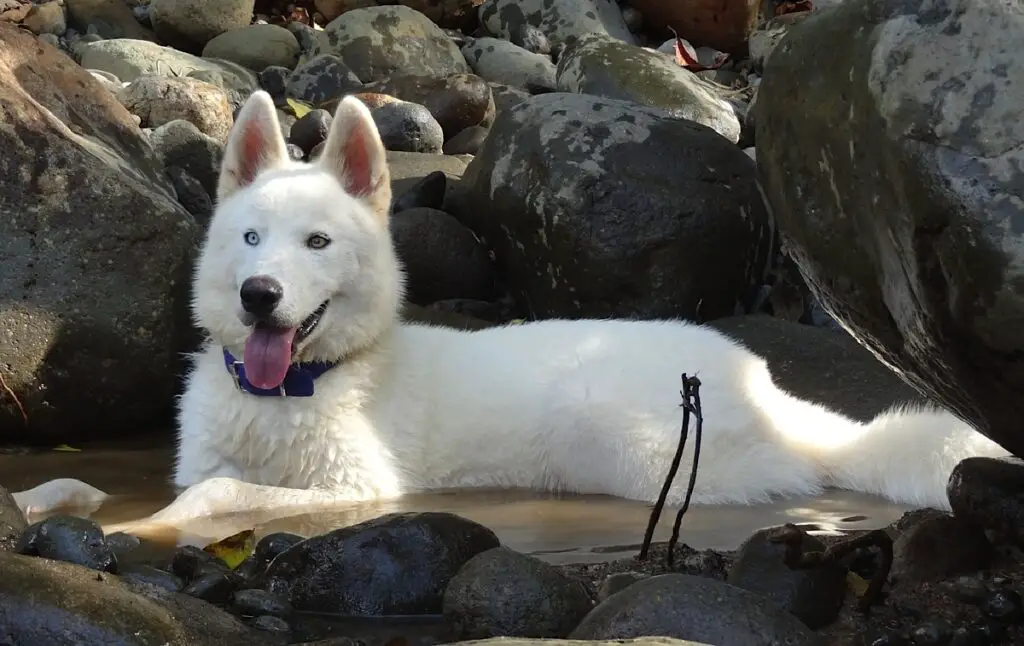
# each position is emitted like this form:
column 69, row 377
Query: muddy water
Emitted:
column 559, row 529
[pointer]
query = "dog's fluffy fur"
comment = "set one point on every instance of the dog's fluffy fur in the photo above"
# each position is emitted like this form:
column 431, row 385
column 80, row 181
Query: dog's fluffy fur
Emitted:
column 575, row 406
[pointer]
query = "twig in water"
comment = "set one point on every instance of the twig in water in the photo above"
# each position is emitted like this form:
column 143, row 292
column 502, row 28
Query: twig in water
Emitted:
column 17, row 402
column 691, row 407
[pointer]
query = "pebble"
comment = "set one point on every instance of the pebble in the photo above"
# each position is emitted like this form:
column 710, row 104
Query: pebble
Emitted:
column 257, row 603
column 69, row 538
column 215, row 587
column 268, row 547
column 311, row 129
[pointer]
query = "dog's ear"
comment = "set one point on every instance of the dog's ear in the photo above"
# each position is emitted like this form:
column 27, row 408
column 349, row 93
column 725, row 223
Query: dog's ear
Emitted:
column 355, row 154
column 254, row 145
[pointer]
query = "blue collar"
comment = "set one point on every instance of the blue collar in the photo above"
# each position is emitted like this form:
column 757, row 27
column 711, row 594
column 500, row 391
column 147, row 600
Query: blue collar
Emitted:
column 298, row 381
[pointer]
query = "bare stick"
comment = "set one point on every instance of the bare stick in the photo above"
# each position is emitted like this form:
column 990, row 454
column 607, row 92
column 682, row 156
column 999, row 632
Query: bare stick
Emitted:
column 691, row 399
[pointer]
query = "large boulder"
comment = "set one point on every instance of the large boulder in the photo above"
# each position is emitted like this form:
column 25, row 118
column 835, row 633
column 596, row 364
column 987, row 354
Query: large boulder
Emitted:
column 605, row 208
column 95, row 256
column 562, row 21
column 899, row 187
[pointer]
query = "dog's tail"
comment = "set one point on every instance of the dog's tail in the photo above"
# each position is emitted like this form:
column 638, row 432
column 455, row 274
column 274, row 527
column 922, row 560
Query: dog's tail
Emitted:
column 907, row 455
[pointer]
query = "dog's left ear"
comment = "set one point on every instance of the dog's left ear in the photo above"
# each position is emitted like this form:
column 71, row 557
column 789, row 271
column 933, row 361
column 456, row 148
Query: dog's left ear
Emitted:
column 355, row 154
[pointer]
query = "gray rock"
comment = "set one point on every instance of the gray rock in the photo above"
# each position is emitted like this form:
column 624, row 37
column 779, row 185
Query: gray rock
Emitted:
column 596, row 207
column 442, row 258
column 517, row 641
column 128, row 59
column 507, row 97
column 179, row 143
column 12, row 521
column 501, row 593
column 408, row 127
column 98, row 245
column 322, row 79
column 376, row 42
column 607, row 67
column 906, row 215
column 499, row 61
column 158, row 100
column 990, row 493
column 50, row 602
column 256, row 47
column 395, row 564
column 815, row 596
column 274, row 80
column 938, row 547
column 696, row 608
column 149, row 575
column 256, row 603
column 458, row 101
column 427, row 192
column 615, row 583
column 561, row 20
column 467, row 142
column 189, row 24
column 111, row 19
column 191, row 194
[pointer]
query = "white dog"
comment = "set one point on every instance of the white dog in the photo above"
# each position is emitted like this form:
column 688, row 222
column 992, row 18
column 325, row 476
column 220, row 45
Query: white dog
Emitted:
column 310, row 391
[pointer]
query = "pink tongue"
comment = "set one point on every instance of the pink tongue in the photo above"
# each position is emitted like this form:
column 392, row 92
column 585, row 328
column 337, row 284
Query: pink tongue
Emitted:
column 268, row 353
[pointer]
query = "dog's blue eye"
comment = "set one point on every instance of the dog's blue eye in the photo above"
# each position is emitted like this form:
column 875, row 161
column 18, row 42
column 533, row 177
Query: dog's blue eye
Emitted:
column 317, row 241
column 252, row 238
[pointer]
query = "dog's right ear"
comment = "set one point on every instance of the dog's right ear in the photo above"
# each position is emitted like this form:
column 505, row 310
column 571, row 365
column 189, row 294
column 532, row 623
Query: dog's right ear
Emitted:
column 355, row 154
column 254, row 145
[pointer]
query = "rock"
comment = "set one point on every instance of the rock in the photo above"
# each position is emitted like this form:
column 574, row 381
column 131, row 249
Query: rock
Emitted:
column 531, row 39
column 483, row 311
column 256, row 603
column 46, row 18
column 814, row 596
column 467, row 142
column 149, row 575
column 515, row 641
column 443, row 259
column 764, row 40
column 12, row 521
column 427, row 192
column 499, row 61
column 189, row 25
column 213, row 587
column 268, row 547
column 615, row 583
column 990, row 492
column 533, row 598
column 256, row 47
column 272, row 625
column 274, row 80
column 408, row 127
column 687, row 237
column 610, row 68
column 395, row 564
column 158, row 100
column 904, row 216
column 430, row 316
column 562, row 20
column 376, row 42
column 128, row 59
column 311, row 129
column 408, row 169
column 191, row 194
column 322, row 79
column 722, row 25
column 449, row 14
column 507, row 97
column 696, row 608
column 939, row 547
column 180, row 144
column 190, row 562
column 50, row 602
column 110, row 18
column 99, row 247
column 71, row 539
column 457, row 101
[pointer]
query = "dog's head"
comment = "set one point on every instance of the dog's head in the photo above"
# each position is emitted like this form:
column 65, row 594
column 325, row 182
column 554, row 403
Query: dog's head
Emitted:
column 298, row 263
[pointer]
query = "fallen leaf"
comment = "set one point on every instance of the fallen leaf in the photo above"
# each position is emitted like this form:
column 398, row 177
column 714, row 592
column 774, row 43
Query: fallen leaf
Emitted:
column 686, row 56
column 234, row 549
column 64, row 448
column 793, row 7
column 299, row 109
column 857, row 584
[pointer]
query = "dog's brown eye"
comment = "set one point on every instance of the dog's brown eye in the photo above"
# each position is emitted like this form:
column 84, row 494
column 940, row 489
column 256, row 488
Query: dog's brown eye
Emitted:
column 317, row 241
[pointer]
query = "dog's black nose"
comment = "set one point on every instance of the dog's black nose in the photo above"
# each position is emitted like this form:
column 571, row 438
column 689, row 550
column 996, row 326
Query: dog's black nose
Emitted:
column 260, row 295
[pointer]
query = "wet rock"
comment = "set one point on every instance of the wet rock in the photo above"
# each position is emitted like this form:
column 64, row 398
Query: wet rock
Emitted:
column 147, row 574
column 395, row 564
column 12, row 521
column 921, row 265
column 696, row 608
column 815, row 596
column 322, row 79
column 467, row 142
column 311, row 129
column 939, row 547
column 189, row 25
column 499, row 61
column 722, row 25
column 122, row 544
column 377, row 42
column 408, row 127
column 214, row 587
column 536, row 600
column 561, row 20
column 932, row 633
column 552, row 172
column 272, row 625
column 268, row 547
column 256, row 47
column 189, row 562
column 180, row 144
column 50, row 602
column 990, row 492
column 98, row 249
column 427, row 192
column 71, row 539
column 256, row 603
column 607, row 67
column 457, row 101
column 1004, row 605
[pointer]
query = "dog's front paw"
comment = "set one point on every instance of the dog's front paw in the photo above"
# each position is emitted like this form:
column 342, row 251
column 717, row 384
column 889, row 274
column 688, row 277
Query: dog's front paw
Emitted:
column 60, row 494
column 210, row 497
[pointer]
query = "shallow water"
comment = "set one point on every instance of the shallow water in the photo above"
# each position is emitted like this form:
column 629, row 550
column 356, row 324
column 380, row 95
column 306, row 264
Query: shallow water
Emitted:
column 560, row 529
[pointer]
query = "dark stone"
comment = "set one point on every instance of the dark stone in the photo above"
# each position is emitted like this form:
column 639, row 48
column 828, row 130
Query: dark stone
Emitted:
column 189, row 560
column 457, row 102
column 408, row 127
column 321, row 79
column 214, row 587
column 990, row 492
column 311, row 129
column 1004, row 605
column 268, row 547
column 140, row 573
column 180, row 144
column 615, row 583
column 395, row 564
column 427, row 192
column 255, row 603
column 467, row 142
column 191, row 194
column 71, row 539
column 939, row 547
column 274, row 80
column 12, row 521
column 904, row 214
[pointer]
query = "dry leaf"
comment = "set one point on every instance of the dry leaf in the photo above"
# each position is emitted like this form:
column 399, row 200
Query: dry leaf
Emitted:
column 64, row 448
column 857, row 584
column 234, row 549
column 299, row 109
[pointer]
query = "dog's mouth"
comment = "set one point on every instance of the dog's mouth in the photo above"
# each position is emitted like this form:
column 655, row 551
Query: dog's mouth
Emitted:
column 270, row 349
